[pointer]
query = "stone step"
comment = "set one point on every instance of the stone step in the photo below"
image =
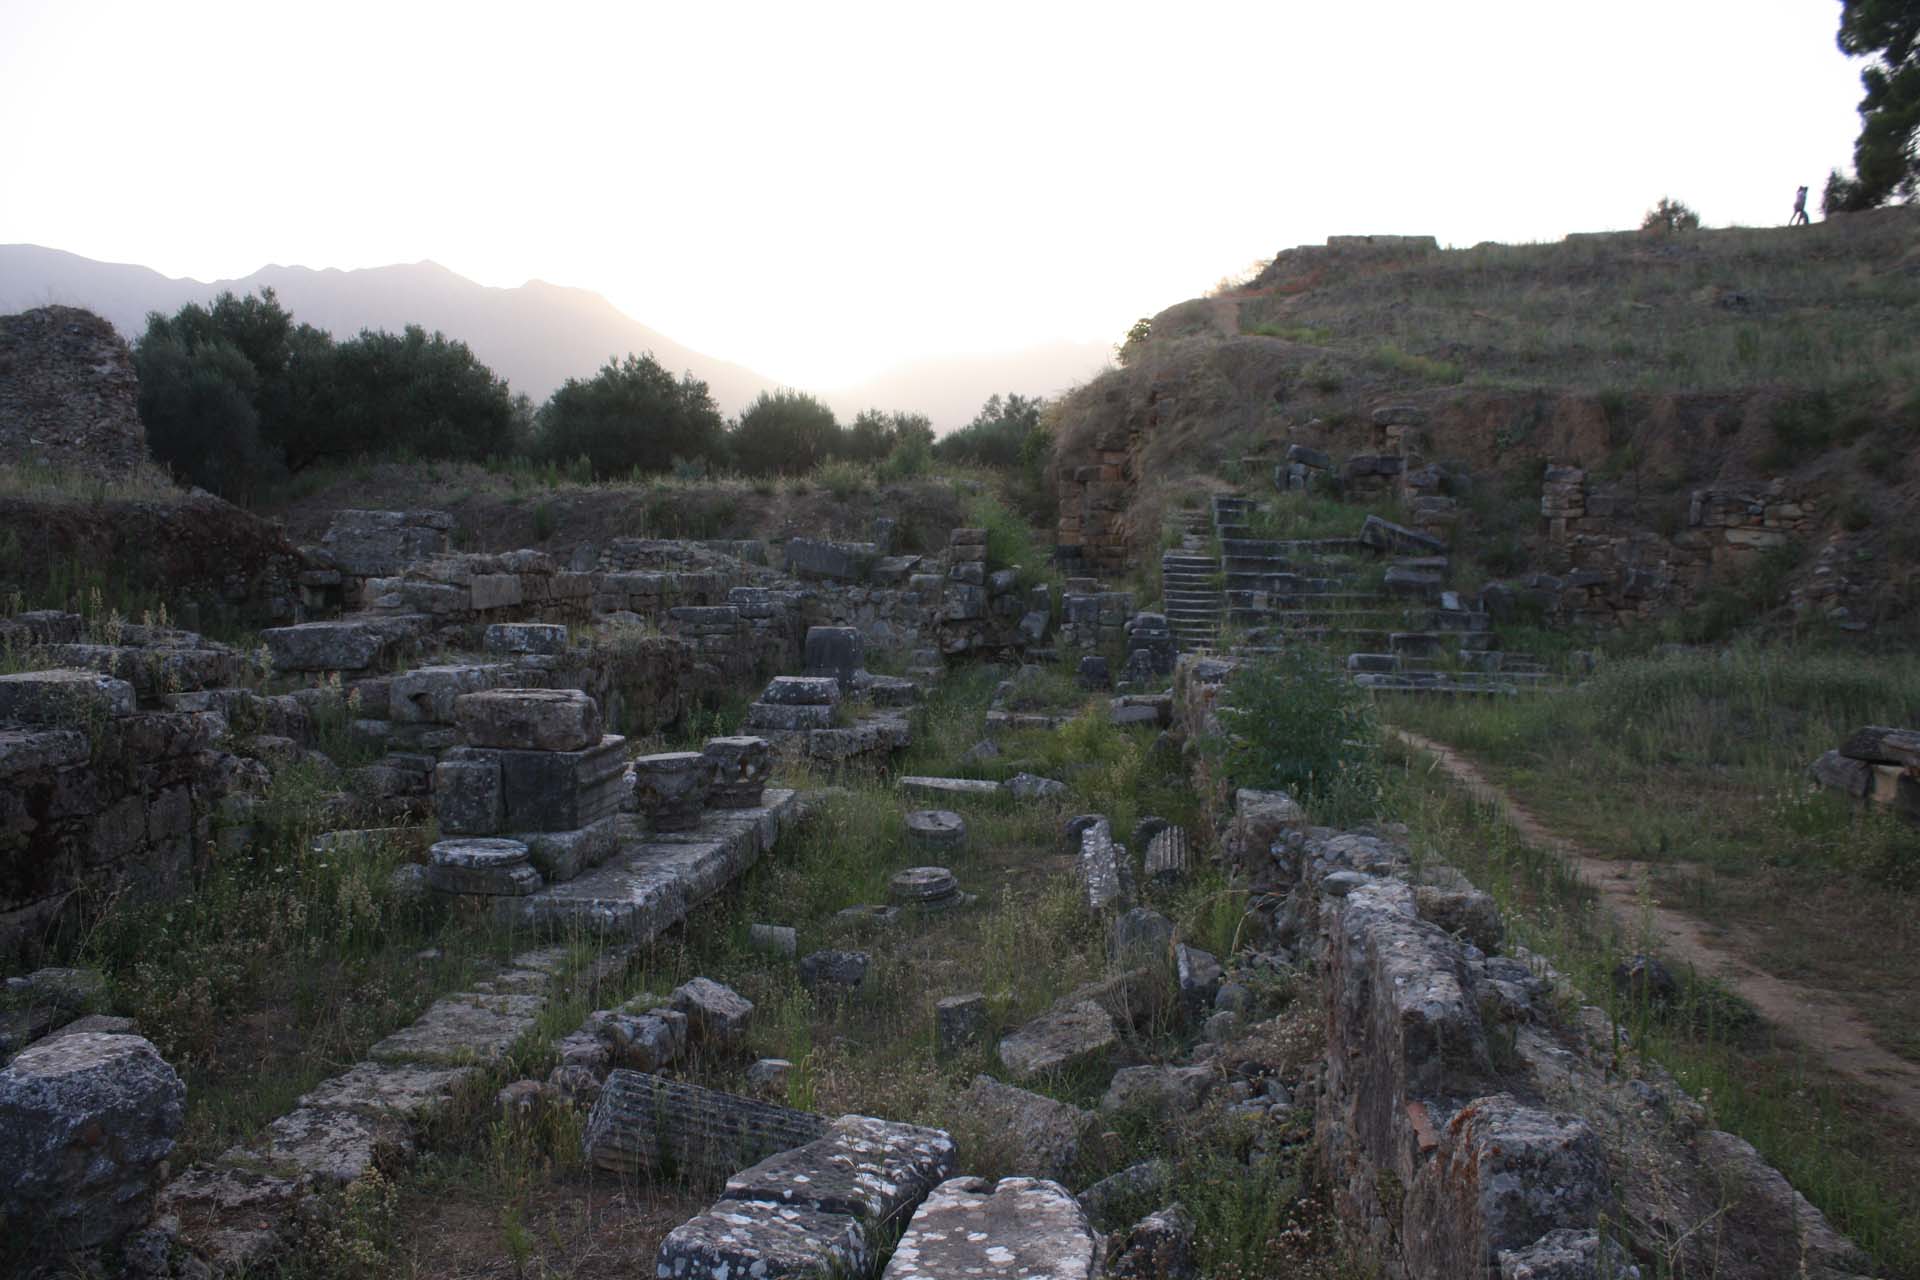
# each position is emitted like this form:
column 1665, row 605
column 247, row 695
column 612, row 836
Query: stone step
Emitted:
column 998, row 1231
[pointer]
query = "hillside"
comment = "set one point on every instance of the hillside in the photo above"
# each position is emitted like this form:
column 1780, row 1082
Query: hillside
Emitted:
column 536, row 336
column 1722, row 362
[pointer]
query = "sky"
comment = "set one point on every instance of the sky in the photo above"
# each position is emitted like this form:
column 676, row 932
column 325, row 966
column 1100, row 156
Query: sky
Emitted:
column 821, row 191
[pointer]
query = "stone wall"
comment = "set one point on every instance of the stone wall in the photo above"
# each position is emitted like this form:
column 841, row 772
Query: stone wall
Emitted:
column 68, row 395
column 1094, row 491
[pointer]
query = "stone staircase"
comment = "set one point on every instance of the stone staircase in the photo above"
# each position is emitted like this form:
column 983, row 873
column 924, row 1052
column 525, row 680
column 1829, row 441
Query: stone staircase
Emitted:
column 1401, row 629
column 1190, row 586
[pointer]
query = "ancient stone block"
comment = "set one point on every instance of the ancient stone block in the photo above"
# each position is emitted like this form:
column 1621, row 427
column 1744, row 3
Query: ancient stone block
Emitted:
column 715, row 1013
column 1018, row 1227
column 86, row 1125
column 481, row 866
column 526, row 638
column 529, row 719
column 741, row 767
column 1036, row 1134
column 644, row 1122
column 756, row 1238
column 795, row 691
column 467, row 797
column 835, row 652
column 562, row 855
column 959, row 1021
column 670, row 788
column 1065, row 1035
column 351, row 644
column 63, row 697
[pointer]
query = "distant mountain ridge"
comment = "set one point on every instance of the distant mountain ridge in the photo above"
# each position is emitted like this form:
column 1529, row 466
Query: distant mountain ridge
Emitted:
column 536, row 336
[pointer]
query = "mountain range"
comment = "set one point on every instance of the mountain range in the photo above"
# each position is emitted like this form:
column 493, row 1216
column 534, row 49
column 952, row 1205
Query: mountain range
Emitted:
column 536, row 336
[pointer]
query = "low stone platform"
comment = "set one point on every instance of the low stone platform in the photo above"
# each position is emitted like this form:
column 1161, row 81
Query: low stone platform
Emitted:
column 652, row 881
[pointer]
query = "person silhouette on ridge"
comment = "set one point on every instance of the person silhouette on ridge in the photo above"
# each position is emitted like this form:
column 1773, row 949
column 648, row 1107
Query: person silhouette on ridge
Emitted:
column 1799, row 217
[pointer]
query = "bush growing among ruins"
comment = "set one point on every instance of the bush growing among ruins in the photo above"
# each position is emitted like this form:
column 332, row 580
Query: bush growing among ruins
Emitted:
column 783, row 433
column 1670, row 215
column 1295, row 723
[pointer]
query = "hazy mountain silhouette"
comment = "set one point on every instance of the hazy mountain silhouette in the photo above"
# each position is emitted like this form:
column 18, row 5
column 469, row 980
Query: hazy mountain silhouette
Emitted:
column 536, row 336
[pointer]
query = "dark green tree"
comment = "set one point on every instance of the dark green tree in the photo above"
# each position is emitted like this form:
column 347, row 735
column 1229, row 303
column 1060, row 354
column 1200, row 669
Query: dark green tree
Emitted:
column 785, row 433
column 874, row 435
column 1670, row 215
column 1886, row 156
column 633, row 414
column 413, row 393
column 998, row 434
column 197, row 402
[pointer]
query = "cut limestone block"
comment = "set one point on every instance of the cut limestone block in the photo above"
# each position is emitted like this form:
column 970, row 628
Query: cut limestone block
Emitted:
column 410, row 1090
column 780, row 717
column 556, row 790
column 467, row 797
column 529, row 719
column 329, row 1146
column 802, row 691
column 930, row 888
column 1099, row 870
column 645, row 1122
column 959, row 1021
column 1015, row 1228
column 349, row 644
column 715, row 1012
column 562, row 855
column 482, row 865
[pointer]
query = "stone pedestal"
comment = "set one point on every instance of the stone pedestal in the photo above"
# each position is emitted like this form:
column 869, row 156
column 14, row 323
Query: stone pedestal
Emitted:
column 671, row 788
column 930, row 888
column 938, row 831
column 740, row 770
column 495, row 868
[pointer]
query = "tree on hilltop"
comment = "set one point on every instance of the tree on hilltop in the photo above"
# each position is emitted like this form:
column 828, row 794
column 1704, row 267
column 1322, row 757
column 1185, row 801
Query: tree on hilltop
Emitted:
column 1670, row 215
column 1886, row 156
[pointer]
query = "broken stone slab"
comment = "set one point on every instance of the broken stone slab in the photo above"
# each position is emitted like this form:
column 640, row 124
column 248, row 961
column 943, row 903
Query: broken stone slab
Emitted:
column 959, row 1021
column 1158, row 1247
column 526, row 638
column 1159, row 1088
column 1031, row 1132
column 411, row 1090
column 1259, row 819
column 716, row 1013
column 1878, row 744
column 1505, row 1174
column 1566, row 1253
column 463, row 1029
column 873, row 1171
column 426, row 695
column 63, row 697
column 1064, row 1036
column 868, row 916
column 768, row 1078
column 1098, row 868
column 773, row 939
column 740, row 769
column 1009, row 1230
column 1028, row 786
column 802, row 691
column 647, row 1123
column 758, row 1239
column 332, row 1147
column 481, row 865
column 86, row 1125
column 1141, row 937
column 1120, row 1198
column 1384, row 535
column 942, row 788
column 841, row 970
column 563, row 855
column 1169, row 859
column 1843, row 773
column 237, row 1217
column 937, row 830
column 529, row 719
column 643, row 1041
column 670, row 788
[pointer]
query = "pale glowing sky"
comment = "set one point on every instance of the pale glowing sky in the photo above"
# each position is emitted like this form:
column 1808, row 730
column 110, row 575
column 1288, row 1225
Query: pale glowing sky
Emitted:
column 822, row 190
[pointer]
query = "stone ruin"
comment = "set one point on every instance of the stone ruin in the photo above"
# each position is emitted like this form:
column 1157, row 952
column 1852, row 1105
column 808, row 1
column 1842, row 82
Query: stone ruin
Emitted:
column 69, row 397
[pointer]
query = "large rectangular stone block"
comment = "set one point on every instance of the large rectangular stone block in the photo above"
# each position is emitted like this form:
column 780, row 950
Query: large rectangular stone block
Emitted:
column 558, row 790
column 468, row 799
column 426, row 695
column 560, row 720
column 63, row 697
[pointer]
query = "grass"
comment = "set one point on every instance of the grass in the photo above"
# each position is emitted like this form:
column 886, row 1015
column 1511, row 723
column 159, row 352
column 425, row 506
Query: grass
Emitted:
column 146, row 482
column 1847, row 1156
column 1717, row 309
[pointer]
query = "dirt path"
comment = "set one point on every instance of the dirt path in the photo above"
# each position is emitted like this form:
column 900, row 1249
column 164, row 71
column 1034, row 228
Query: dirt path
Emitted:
column 1819, row 1019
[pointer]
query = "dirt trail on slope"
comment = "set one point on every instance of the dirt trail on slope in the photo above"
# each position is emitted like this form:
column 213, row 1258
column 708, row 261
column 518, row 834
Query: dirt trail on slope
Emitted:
column 1820, row 1020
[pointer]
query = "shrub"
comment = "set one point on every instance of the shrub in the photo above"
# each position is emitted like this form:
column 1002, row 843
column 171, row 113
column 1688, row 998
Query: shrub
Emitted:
column 1669, row 216
column 844, row 479
column 632, row 415
column 1295, row 723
